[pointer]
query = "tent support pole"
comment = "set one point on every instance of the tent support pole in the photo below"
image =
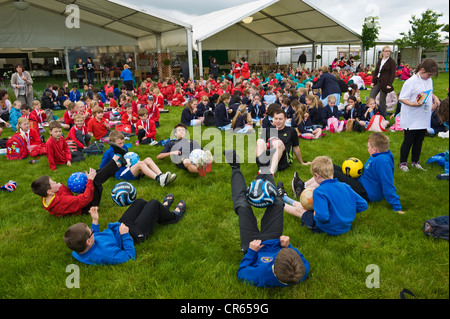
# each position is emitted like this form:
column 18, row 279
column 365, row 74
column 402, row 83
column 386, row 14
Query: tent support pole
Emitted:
column 189, row 51
column 200, row 58
column 66, row 58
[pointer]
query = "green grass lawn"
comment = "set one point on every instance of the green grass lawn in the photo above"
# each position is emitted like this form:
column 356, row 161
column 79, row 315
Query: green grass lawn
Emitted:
column 199, row 257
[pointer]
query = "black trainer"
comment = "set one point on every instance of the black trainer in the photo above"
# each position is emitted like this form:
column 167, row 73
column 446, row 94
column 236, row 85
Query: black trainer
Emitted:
column 117, row 149
column 280, row 190
column 232, row 158
column 297, row 185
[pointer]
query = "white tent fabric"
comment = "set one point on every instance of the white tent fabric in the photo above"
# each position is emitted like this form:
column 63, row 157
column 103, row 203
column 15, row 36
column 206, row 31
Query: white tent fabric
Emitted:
column 276, row 23
column 102, row 22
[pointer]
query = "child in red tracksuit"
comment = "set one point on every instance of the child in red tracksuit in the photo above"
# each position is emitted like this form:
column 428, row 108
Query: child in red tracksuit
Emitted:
column 129, row 117
column 145, row 127
column 178, row 98
column 58, row 151
column 79, row 132
column 153, row 110
column 59, row 201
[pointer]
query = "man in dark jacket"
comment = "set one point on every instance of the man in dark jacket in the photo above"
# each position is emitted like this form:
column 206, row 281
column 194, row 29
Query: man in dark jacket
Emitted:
column 302, row 60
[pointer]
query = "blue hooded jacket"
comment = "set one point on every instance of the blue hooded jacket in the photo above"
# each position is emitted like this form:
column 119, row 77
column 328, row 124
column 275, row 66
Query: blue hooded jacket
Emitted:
column 256, row 267
column 378, row 179
column 110, row 247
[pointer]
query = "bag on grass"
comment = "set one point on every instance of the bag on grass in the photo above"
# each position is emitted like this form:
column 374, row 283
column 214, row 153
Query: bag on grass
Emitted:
column 94, row 148
column 16, row 148
column 437, row 227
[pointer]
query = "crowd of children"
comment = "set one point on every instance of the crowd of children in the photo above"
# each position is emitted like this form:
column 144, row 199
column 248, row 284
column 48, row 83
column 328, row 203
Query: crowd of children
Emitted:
column 284, row 104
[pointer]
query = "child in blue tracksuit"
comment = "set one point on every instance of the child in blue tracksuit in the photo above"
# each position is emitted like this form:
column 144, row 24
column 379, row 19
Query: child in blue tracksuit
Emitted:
column 115, row 244
column 137, row 171
column 270, row 260
column 335, row 204
column 377, row 179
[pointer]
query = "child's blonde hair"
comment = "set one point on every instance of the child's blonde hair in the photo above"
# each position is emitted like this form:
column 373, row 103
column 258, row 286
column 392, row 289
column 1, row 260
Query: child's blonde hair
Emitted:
column 20, row 121
column 114, row 136
column 380, row 141
column 331, row 98
column 78, row 116
column 17, row 104
column 35, row 102
column 313, row 100
column 323, row 166
column 242, row 110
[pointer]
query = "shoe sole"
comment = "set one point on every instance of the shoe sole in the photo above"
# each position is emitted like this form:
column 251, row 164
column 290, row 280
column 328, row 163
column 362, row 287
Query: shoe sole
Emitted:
column 293, row 186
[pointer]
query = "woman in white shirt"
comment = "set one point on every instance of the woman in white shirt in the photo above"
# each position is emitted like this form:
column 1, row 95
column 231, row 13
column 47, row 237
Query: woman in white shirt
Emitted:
column 415, row 117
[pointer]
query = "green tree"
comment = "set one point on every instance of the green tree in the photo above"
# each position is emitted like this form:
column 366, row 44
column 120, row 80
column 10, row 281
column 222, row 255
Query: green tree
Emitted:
column 424, row 32
column 369, row 34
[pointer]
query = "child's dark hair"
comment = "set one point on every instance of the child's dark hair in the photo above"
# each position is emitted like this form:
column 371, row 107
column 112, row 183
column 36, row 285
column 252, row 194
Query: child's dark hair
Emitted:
column 25, row 107
column 430, row 66
column 288, row 267
column 76, row 237
column 41, row 185
column 180, row 125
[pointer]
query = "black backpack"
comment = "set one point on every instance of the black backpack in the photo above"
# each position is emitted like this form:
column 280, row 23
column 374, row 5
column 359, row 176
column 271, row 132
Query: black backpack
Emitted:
column 208, row 118
column 437, row 227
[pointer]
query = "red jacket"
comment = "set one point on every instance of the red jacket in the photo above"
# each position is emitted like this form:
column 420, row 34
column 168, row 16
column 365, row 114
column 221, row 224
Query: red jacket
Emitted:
column 153, row 112
column 38, row 118
column 65, row 203
column 32, row 137
column 58, row 152
column 245, row 72
column 68, row 118
column 178, row 99
column 72, row 134
column 237, row 73
column 127, row 119
column 149, row 128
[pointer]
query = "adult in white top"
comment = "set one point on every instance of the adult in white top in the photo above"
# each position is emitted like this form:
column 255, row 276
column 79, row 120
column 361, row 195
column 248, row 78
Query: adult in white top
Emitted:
column 415, row 116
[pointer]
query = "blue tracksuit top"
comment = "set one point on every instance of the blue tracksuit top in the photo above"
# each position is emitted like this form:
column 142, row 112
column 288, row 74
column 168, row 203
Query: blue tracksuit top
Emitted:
column 107, row 156
column 336, row 205
column 378, row 179
column 110, row 247
column 256, row 267
column 126, row 75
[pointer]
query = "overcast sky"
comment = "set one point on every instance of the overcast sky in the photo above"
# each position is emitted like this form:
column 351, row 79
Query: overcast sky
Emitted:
column 394, row 14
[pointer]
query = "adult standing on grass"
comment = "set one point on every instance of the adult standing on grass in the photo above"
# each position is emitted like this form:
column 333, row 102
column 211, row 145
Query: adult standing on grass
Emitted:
column 22, row 83
column 415, row 115
column 127, row 77
column 384, row 76
column 329, row 85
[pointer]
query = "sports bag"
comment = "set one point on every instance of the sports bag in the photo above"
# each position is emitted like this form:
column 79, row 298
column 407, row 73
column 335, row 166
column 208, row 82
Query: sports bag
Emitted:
column 16, row 148
column 437, row 227
column 377, row 124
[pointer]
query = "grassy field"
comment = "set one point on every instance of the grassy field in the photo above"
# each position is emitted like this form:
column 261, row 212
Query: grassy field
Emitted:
column 198, row 258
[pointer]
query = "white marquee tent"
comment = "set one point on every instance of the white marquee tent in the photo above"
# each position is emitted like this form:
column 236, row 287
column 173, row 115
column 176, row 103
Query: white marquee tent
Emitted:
column 42, row 23
column 271, row 24
column 262, row 24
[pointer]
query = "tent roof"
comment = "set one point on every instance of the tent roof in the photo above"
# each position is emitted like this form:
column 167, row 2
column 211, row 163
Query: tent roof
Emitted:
column 106, row 19
column 279, row 22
